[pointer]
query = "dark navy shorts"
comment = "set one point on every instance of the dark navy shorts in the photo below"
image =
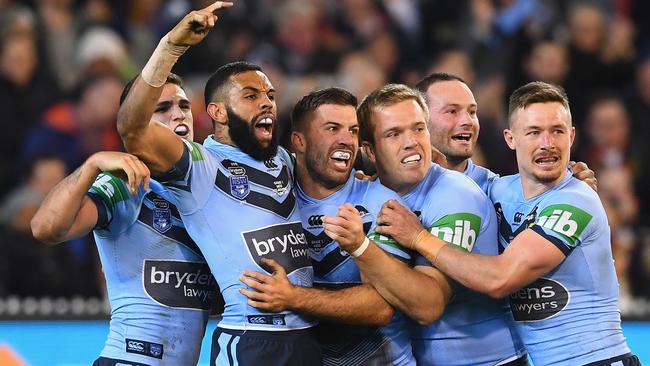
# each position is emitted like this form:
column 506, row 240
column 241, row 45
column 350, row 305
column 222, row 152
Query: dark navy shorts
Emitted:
column 104, row 361
column 627, row 359
column 272, row 348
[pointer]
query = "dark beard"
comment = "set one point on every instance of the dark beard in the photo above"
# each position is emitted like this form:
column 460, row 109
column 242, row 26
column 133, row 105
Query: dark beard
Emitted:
column 243, row 135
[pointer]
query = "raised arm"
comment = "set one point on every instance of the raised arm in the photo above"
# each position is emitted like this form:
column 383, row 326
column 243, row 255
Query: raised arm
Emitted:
column 67, row 212
column 152, row 142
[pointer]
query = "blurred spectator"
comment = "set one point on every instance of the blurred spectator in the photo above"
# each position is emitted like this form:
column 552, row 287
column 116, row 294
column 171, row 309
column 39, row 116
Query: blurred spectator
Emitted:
column 639, row 110
column 75, row 130
column 601, row 54
column 26, row 89
column 31, row 268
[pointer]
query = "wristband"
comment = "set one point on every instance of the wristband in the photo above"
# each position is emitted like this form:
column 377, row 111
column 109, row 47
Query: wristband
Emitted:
column 429, row 246
column 362, row 248
column 160, row 63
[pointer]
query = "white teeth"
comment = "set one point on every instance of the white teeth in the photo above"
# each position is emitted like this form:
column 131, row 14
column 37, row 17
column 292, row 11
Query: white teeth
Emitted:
column 341, row 155
column 411, row 158
column 265, row 121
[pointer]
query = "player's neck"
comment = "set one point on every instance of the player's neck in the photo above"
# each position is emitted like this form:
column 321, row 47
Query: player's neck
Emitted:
column 457, row 165
column 533, row 187
column 310, row 186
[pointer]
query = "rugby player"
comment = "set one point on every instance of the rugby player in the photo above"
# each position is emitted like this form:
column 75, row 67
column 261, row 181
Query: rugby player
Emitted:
column 325, row 140
column 556, row 263
column 159, row 285
column 234, row 193
column 474, row 329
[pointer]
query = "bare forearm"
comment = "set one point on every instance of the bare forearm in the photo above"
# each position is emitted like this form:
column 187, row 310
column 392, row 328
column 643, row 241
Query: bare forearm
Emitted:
column 135, row 112
column 358, row 305
column 420, row 296
column 58, row 211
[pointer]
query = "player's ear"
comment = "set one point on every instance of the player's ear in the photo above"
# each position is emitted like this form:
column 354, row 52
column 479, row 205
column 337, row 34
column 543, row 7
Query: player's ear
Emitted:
column 366, row 148
column 217, row 111
column 510, row 139
column 298, row 143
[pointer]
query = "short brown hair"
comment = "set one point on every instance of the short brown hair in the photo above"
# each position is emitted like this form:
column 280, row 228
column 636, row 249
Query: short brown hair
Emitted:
column 309, row 103
column 387, row 95
column 536, row 92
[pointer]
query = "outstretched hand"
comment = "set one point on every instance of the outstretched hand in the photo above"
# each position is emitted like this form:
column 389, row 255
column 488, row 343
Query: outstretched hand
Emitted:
column 196, row 25
column 127, row 166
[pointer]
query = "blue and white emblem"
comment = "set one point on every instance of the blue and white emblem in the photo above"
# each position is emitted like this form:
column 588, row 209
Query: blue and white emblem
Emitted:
column 239, row 187
column 156, row 350
column 162, row 216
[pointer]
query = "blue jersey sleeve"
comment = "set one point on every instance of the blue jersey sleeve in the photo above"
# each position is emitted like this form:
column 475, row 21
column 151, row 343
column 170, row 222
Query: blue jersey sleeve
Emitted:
column 117, row 209
column 566, row 219
column 461, row 215
column 189, row 175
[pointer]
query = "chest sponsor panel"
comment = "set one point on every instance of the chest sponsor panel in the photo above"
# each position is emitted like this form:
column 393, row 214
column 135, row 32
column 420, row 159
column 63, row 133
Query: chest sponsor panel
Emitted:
column 180, row 284
column 284, row 243
column 540, row 300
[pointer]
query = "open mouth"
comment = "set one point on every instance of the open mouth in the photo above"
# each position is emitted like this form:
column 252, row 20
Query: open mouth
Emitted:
column 411, row 159
column 341, row 158
column 464, row 137
column 546, row 160
column 265, row 125
column 182, row 130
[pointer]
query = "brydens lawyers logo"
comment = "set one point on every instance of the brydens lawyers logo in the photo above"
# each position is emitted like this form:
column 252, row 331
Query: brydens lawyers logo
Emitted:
column 285, row 243
column 540, row 300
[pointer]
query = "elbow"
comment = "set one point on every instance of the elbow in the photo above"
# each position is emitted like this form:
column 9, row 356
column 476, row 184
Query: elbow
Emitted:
column 384, row 316
column 428, row 314
column 43, row 232
column 499, row 289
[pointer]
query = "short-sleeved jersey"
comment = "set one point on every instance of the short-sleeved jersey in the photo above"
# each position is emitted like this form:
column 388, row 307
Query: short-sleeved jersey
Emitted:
column 474, row 329
column 239, row 210
column 570, row 315
column 482, row 176
column 159, row 285
column 333, row 268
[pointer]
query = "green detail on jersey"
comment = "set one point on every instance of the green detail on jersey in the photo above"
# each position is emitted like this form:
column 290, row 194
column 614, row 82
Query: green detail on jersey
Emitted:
column 110, row 188
column 460, row 230
column 380, row 239
column 566, row 220
column 195, row 150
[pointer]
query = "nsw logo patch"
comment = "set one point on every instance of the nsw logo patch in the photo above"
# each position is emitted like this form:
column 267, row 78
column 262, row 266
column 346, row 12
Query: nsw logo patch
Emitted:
column 162, row 216
column 239, row 187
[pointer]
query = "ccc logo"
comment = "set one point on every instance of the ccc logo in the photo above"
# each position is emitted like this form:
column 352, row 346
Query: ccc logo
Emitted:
column 270, row 163
column 315, row 220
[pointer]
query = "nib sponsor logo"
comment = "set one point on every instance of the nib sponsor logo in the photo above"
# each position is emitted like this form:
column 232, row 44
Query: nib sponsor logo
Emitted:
column 285, row 243
column 540, row 300
column 180, row 284
column 460, row 230
column 566, row 220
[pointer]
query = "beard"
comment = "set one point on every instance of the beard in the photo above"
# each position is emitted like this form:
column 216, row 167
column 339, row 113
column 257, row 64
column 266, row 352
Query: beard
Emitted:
column 316, row 165
column 242, row 133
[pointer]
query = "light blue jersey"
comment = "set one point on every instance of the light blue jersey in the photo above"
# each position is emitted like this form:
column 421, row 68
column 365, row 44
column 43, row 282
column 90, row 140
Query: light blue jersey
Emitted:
column 239, row 210
column 333, row 268
column 570, row 315
column 474, row 329
column 482, row 176
column 159, row 285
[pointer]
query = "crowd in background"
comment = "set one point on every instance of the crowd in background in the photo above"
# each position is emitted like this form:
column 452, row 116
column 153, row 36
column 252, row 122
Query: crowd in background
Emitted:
column 63, row 64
